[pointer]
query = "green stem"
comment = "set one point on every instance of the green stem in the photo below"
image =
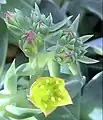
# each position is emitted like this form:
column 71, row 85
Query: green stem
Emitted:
column 54, row 68
column 75, row 69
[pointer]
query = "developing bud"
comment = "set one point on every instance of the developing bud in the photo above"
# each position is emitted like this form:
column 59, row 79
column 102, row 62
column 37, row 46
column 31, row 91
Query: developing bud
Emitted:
column 30, row 36
column 10, row 18
column 9, row 15
column 69, row 54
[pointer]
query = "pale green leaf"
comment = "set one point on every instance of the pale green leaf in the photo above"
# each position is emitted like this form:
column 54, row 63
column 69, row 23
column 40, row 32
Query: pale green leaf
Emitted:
column 10, row 80
column 85, row 38
column 60, row 24
column 21, row 113
column 3, row 44
column 37, row 9
column 42, row 59
column 75, row 24
column 24, row 70
column 91, row 103
column 54, row 68
column 87, row 60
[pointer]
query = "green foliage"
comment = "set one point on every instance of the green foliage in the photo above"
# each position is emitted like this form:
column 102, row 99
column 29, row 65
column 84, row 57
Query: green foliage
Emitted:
column 3, row 44
column 53, row 48
column 91, row 104
column 21, row 113
column 10, row 80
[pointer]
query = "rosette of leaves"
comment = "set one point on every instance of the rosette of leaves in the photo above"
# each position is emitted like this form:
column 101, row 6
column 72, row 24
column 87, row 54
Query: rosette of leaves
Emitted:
column 69, row 47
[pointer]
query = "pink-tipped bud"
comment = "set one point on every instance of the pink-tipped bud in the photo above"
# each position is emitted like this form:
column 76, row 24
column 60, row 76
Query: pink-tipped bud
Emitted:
column 9, row 15
column 70, row 34
column 41, row 21
column 30, row 36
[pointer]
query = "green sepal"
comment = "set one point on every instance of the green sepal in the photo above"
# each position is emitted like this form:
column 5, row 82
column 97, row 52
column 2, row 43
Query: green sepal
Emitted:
column 15, row 30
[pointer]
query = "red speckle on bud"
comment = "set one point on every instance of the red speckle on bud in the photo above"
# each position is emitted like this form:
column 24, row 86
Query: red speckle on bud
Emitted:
column 40, row 22
column 30, row 36
column 70, row 34
column 68, row 54
column 9, row 15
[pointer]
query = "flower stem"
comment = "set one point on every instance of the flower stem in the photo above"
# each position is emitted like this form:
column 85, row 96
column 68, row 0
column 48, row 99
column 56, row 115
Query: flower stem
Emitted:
column 75, row 69
column 54, row 68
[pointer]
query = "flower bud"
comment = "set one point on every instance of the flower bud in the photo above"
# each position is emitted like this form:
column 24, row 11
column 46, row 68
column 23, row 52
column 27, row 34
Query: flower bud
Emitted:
column 30, row 37
column 10, row 18
column 44, row 29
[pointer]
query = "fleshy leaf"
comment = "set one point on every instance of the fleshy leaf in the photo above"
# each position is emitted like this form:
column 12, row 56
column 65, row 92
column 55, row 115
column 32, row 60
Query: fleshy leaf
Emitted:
column 47, row 93
column 87, row 60
column 74, row 25
column 10, row 81
column 21, row 113
column 24, row 70
column 37, row 9
column 85, row 38
column 3, row 44
column 59, row 25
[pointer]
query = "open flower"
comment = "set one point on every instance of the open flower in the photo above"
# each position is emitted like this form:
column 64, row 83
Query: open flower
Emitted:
column 47, row 93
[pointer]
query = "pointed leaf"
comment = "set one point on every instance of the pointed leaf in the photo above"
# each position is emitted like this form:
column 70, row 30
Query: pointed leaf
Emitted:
column 24, row 70
column 85, row 38
column 37, row 9
column 10, row 80
column 60, row 24
column 74, row 25
column 96, row 46
column 87, row 60
column 21, row 113
column 43, row 58
column 3, row 44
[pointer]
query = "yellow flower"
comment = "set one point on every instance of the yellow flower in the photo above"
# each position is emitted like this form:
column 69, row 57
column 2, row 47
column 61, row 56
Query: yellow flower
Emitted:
column 47, row 93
